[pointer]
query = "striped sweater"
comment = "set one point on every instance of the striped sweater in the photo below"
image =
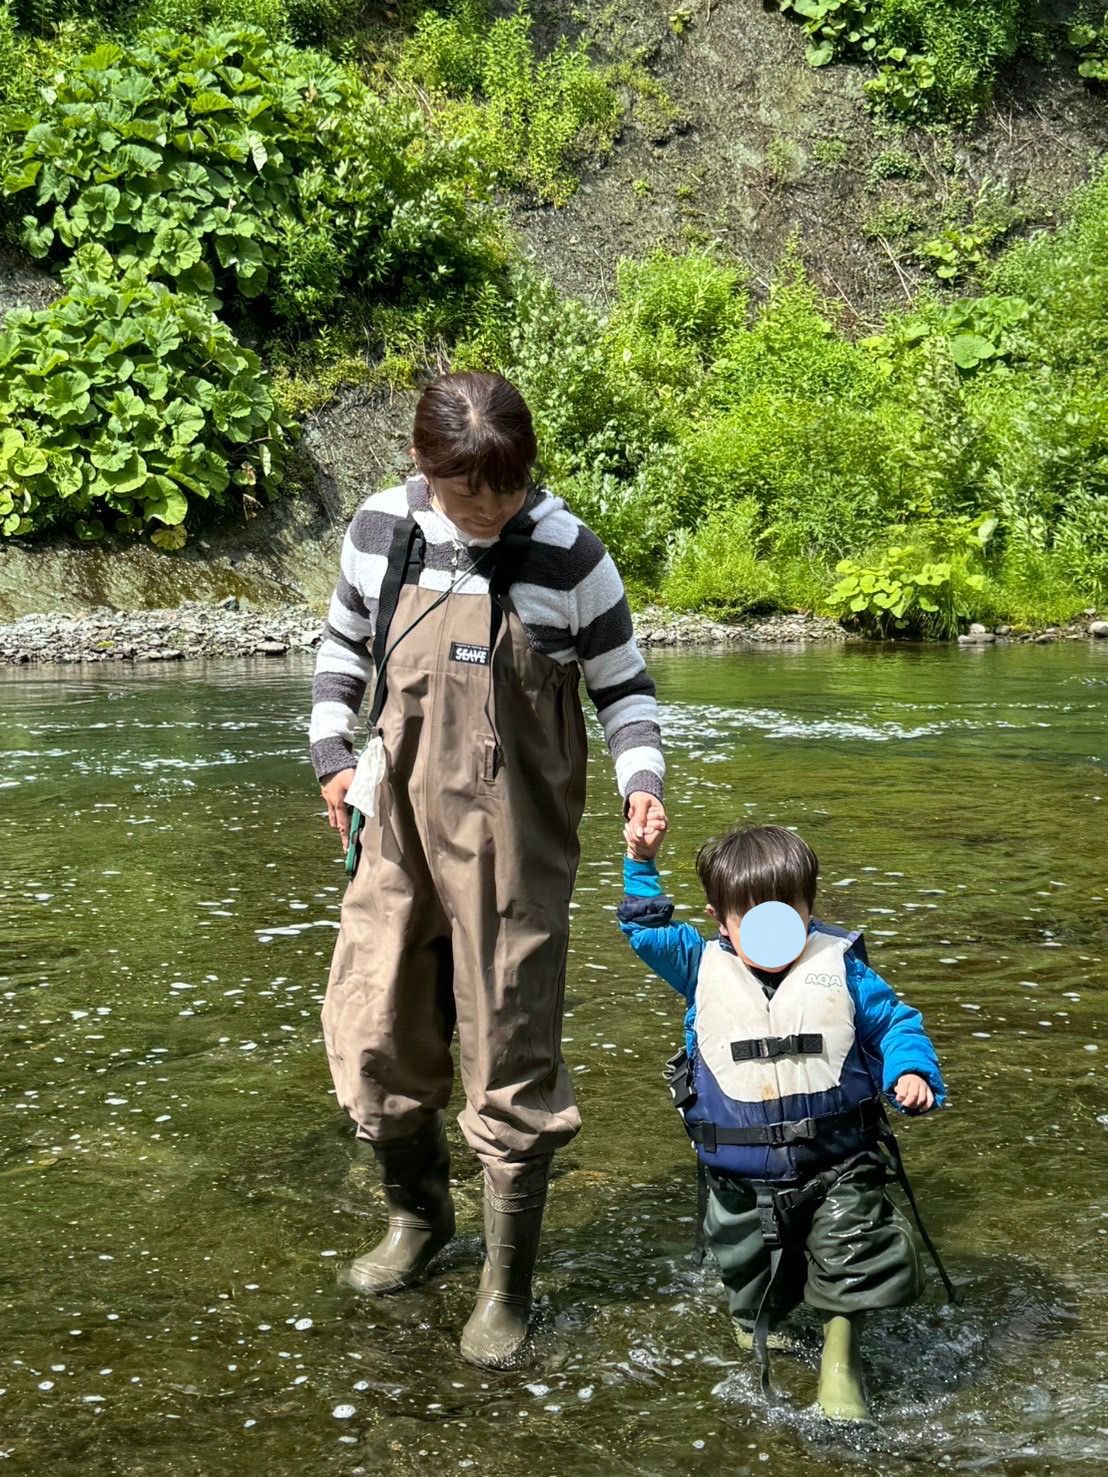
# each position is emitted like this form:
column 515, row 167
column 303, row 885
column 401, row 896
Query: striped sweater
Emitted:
column 569, row 597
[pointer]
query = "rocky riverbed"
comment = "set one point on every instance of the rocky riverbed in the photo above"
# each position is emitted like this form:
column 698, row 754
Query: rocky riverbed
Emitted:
column 234, row 628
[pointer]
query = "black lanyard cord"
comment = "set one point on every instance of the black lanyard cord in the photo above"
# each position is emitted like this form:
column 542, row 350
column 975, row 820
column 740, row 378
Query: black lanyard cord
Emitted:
column 379, row 687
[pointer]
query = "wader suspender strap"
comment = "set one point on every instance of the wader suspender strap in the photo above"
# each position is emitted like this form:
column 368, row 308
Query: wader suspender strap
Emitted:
column 776, row 1207
column 511, row 550
column 888, row 1138
column 405, row 558
column 404, row 566
column 700, row 1250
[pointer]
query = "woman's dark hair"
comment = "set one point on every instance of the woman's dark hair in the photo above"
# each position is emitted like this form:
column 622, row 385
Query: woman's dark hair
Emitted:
column 475, row 426
column 757, row 864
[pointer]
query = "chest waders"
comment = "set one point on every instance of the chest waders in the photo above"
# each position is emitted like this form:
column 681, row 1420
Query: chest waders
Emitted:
column 784, row 1209
column 456, row 918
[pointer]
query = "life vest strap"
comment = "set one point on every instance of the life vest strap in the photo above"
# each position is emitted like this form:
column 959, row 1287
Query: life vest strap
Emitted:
column 865, row 1117
column 767, row 1048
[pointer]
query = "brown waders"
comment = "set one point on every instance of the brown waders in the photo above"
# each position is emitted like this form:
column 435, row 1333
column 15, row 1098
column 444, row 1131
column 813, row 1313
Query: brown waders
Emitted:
column 457, row 917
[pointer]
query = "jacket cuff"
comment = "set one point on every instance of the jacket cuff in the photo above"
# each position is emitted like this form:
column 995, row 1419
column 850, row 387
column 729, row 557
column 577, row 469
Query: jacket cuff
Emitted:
column 645, row 912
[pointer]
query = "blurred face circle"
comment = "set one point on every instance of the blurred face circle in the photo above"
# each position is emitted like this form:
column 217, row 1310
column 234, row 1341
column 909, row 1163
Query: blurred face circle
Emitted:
column 481, row 514
column 771, row 936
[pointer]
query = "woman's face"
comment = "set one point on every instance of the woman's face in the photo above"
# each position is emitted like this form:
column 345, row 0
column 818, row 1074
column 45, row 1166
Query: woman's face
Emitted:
column 481, row 514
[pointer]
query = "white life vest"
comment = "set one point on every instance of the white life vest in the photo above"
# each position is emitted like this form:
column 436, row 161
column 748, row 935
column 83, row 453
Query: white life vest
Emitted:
column 777, row 1086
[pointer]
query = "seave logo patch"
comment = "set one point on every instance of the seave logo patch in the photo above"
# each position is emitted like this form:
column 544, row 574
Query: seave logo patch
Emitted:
column 471, row 656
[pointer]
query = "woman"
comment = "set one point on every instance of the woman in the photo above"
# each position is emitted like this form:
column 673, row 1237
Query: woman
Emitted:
column 477, row 599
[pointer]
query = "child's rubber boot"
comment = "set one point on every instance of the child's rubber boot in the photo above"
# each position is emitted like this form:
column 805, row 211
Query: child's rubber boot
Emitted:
column 415, row 1172
column 842, row 1395
column 778, row 1340
column 495, row 1335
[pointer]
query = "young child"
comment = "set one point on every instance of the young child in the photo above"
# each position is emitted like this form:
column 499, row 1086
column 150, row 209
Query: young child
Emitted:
column 790, row 1041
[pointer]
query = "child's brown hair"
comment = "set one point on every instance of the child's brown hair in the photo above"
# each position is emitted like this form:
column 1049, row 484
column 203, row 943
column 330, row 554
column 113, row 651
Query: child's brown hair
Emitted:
column 757, row 864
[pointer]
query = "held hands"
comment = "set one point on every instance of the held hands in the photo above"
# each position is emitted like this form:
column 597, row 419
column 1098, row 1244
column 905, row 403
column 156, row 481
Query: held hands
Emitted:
column 334, row 796
column 913, row 1093
column 646, row 825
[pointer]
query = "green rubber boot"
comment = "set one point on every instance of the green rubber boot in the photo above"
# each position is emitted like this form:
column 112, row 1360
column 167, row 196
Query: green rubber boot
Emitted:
column 842, row 1394
column 497, row 1328
column 415, row 1172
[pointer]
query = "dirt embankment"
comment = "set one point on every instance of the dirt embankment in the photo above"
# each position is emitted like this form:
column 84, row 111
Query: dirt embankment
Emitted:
column 770, row 148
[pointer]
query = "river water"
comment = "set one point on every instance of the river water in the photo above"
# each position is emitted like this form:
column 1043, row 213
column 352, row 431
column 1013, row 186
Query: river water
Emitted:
column 178, row 1188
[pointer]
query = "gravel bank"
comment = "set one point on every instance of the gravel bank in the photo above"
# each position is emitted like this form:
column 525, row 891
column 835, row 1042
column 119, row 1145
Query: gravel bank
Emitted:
column 657, row 627
column 191, row 630
column 235, row 629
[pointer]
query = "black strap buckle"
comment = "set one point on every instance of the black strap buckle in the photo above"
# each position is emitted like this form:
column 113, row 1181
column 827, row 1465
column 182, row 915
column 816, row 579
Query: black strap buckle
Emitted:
column 780, row 1135
column 769, row 1222
column 768, row 1048
column 678, row 1078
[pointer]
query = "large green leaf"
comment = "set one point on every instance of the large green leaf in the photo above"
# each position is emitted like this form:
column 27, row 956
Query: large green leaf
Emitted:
column 968, row 350
column 170, row 509
column 131, row 475
column 185, row 421
column 28, row 461
column 170, row 538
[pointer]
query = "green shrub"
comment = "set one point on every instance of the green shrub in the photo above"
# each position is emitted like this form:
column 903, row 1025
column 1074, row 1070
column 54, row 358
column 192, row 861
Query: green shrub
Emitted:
column 588, row 417
column 929, row 586
column 222, row 163
column 672, row 314
column 28, row 62
column 126, row 405
column 633, row 520
column 717, row 567
column 188, row 16
column 934, row 58
column 530, row 118
column 1089, row 38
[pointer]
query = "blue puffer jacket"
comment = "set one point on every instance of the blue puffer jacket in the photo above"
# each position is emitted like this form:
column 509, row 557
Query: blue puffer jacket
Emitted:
column 858, row 1041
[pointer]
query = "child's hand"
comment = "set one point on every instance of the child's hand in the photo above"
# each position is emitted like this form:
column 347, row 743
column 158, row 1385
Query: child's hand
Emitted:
column 646, row 825
column 638, row 848
column 913, row 1093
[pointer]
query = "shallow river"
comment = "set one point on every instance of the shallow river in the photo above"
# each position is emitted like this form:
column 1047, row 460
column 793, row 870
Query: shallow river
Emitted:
column 178, row 1189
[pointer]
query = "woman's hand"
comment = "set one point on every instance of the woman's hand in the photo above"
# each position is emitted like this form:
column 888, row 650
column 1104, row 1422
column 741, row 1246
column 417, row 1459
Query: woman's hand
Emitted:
column 334, row 796
column 646, row 825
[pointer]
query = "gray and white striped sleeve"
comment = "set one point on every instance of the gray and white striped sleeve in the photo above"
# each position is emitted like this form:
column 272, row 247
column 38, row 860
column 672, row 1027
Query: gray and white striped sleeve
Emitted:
column 344, row 664
column 615, row 673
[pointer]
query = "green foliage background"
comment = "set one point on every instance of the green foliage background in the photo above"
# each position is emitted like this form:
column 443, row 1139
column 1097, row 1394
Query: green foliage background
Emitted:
column 225, row 169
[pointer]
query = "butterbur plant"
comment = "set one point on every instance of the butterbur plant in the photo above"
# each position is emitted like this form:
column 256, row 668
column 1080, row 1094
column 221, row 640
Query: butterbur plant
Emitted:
column 1090, row 41
column 224, row 164
column 179, row 154
column 922, row 588
column 125, row 405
